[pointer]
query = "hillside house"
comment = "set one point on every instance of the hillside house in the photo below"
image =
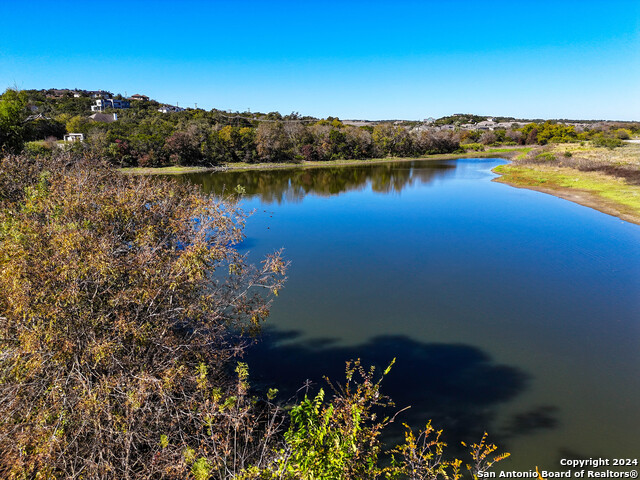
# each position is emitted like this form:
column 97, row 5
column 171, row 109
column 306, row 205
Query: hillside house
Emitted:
column 104, row 103
column 486, row 125
column 104, row 117
column 170, row 109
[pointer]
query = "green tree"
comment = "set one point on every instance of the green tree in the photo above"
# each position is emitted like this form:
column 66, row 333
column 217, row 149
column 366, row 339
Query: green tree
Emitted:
column 78, row 124
column 13, row 113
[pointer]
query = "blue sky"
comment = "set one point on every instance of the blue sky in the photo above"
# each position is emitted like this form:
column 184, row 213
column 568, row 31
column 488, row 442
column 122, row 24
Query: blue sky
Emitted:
column 358, row 59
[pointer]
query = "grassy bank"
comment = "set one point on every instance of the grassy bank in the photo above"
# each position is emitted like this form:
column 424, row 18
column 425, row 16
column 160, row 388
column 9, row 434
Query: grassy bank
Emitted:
column 603, row 179
column 240, row 166
column 503, row 153
column 174, row 170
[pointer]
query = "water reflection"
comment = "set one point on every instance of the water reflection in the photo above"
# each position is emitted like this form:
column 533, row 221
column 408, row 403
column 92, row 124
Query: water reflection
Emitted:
column 292, row 184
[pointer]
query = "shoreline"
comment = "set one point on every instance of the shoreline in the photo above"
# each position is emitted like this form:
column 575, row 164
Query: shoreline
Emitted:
column 240, row 167
column 587, row 198
column 498, row 153
column 512, row 174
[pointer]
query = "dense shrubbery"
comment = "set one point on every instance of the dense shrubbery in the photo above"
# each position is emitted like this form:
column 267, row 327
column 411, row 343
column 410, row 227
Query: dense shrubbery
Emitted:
column 120, row 303
column 123, row 308
column 472, row 147
column 198, row 139
column 460, row 119
column 548, row 132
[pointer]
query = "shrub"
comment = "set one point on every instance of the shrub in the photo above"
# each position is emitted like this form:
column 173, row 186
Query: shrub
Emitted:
column 122, row 300
column 601, row 141
column 472, row 147
column 487, row 138
column 339, row 438
column 623, row 134
column 545, row 157
column 37, row 148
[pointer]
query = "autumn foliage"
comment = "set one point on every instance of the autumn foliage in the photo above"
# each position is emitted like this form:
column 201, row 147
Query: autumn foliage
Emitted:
column 122, row 301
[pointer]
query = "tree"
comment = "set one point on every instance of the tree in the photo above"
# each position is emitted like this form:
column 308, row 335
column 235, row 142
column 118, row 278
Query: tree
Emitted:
column 488, row 137
column 78, row 124
column 514, row 136
column 623, row 134
column 43, row 128
column 121, row 308
column 532, row 137
column 183, row 147
column 13, row 113
column 431, row 142
column 272, row 142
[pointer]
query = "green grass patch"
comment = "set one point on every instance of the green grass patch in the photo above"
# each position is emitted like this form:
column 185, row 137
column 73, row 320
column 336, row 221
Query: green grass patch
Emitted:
column 546, row 157
column 612, row 189
column 505, row 153
column 500, row 150
column 174, row 170
column 523, row 153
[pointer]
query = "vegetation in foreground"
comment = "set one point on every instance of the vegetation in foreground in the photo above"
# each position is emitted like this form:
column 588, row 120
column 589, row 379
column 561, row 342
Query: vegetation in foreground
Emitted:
column 603, row 177
column 124, row 310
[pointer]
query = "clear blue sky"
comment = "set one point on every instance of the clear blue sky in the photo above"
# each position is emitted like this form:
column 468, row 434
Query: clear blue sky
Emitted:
column 358, row 59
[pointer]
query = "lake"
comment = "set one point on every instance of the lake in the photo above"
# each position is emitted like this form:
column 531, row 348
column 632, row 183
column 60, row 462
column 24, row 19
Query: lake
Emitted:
column 508, row 310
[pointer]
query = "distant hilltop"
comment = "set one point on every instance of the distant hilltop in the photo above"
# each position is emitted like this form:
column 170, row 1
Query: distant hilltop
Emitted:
column 469, row 121
column 459, row 121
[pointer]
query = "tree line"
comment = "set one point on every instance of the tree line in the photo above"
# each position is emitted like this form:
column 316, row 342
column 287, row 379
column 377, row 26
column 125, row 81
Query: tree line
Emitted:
column 142, row 136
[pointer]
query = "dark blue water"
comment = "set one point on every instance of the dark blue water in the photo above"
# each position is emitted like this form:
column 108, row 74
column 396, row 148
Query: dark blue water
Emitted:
column 508, row 310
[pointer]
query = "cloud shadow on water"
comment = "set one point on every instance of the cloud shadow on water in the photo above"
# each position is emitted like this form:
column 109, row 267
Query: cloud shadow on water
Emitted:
column 459, row 387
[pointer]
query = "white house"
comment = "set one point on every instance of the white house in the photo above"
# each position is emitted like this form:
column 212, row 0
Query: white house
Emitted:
column 74, row 137
column 103, row 103
column 170, row 108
